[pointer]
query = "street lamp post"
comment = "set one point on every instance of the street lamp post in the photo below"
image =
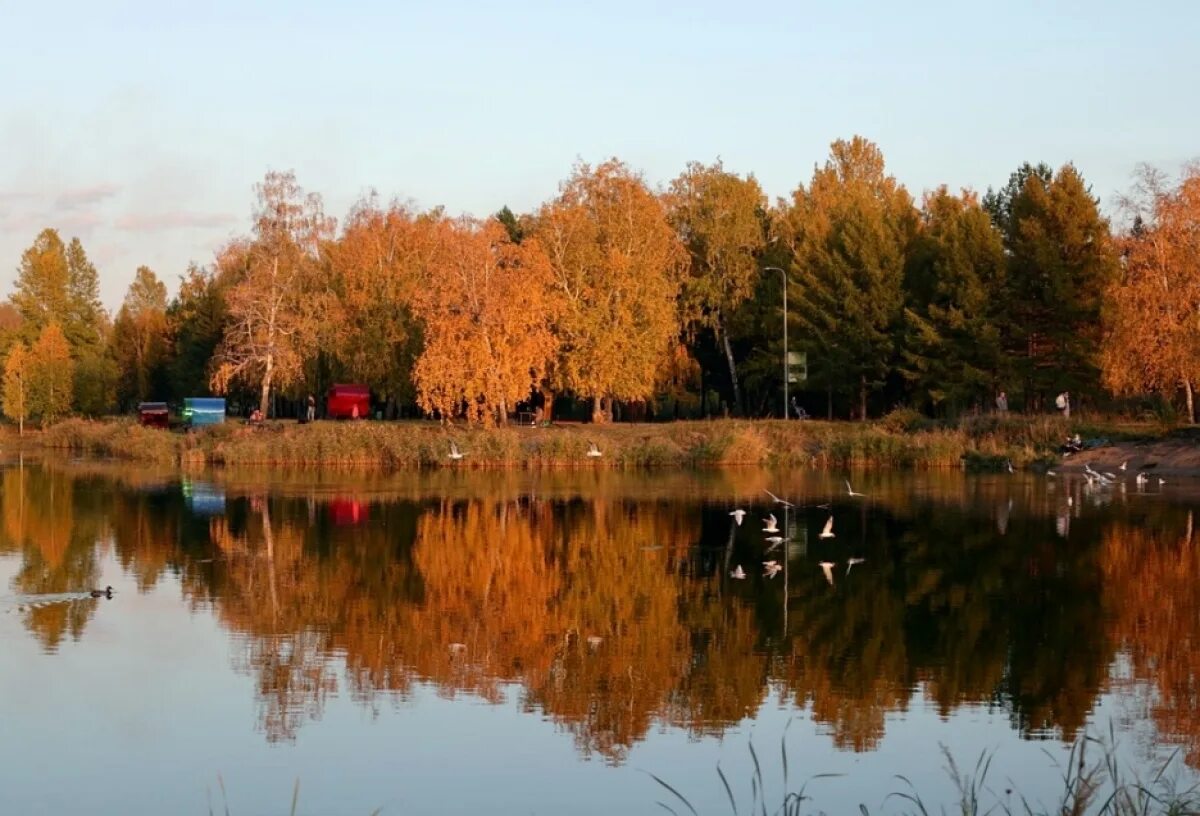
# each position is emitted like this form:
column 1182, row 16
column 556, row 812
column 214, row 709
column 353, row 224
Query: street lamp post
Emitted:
column 786, row 373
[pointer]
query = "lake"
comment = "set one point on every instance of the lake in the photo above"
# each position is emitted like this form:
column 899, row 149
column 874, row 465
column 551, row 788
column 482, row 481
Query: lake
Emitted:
column 542, row 642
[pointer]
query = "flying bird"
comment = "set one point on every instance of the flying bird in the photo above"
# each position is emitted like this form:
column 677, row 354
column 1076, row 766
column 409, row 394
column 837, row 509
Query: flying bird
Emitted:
column 1124, row 464
column 828, row 531
column 827, row 568
column 851, row 562
column 850, row 491
column 1008, row 466
column 772, row 524
column 738, row 515
column 778, row 500
column 593, row 451
column 1141, row 479
column 774, row 541
column 771, row 568
column 738, row 573
column 455, row 453
column 1161, row 480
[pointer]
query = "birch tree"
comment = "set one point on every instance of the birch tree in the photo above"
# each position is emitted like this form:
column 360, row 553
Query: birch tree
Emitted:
column 280, row 297
column 617, row 264
column 720, row 218
column 1152, row 325
column 487, row 307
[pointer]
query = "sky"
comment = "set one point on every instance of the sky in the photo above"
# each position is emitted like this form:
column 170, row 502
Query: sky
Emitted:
column 143, row 127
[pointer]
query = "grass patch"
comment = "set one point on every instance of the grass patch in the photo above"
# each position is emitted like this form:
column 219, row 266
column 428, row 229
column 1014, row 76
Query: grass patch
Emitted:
column 901, row 440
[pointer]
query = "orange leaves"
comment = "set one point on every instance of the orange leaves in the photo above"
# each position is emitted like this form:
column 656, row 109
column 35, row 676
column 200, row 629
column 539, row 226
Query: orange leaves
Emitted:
column 1153, row 334
column 486, row 304
column 616, row 263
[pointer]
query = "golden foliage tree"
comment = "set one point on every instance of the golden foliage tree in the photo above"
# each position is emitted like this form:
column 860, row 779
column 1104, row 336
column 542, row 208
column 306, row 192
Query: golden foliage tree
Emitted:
column 375, row 267
column 276, row 307
column 721, row 219
column 1152, row 337
column 16, row 385
column 616, row 263
column 51, row 375
column 487, row 305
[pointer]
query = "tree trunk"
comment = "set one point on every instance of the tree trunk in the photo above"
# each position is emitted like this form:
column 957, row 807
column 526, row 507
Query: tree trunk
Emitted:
column 737, row 391
column 265, row 396
column 829, row 403
column 547, row 404
column 1191, row 401
column 862, row 398
column 597, row 411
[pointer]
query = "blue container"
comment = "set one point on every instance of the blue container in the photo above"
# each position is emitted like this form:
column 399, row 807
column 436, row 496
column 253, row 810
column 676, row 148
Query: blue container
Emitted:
column 204, row 499
column 201, row 411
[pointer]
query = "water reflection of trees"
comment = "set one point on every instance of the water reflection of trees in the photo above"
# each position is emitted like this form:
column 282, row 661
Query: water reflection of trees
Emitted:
column 613, row 614
column 55, row 523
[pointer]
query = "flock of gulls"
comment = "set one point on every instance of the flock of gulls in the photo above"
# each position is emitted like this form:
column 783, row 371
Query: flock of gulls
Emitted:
column 774, row 538
column 1105, row 480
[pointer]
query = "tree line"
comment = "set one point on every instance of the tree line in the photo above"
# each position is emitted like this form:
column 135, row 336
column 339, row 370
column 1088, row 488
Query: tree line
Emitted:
column 613, row 299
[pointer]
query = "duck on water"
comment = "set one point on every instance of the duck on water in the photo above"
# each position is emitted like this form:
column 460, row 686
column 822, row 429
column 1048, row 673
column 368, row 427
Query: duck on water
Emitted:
column 101, row 593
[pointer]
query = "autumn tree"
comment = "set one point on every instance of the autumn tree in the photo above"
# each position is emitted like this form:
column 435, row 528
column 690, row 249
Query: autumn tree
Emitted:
column 375, row 267
column 195, row 324
column 278, row 301
column 720, row 218
column 51, row 376
column 16, row 388
column 616, row 264
column 848, row 232
column 1061, row 258
column 487, row 305
column 953, row 286
column 41, row 289
column 140, row 335
column 85, row 323
column 1152, row 329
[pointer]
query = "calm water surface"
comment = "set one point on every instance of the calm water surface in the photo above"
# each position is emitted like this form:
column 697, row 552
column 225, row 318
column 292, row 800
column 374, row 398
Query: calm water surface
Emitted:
column 519, row 643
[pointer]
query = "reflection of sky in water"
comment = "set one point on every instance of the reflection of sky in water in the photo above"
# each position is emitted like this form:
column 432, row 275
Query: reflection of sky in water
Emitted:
column 154, row 698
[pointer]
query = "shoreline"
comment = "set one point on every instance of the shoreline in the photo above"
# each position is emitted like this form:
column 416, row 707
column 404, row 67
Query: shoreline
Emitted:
column 903, row 440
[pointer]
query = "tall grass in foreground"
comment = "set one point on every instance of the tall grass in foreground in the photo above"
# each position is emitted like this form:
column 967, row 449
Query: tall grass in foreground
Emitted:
column 1090, row 787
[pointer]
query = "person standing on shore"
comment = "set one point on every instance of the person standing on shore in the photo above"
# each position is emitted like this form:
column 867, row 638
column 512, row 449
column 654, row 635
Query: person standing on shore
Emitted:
column 1064, row 404
column 1002, row 403
column 311, row 412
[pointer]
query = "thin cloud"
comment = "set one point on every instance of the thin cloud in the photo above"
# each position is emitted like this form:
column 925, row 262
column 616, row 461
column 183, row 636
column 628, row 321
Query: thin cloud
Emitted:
column 85, row 196
column 174, row 220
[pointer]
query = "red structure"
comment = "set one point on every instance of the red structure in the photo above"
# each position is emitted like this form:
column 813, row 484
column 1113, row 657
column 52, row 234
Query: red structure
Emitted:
column 348, row 402
column 347, row 512
column 153, row 414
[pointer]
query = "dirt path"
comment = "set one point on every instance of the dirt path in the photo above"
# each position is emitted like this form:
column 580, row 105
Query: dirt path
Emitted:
column 1178, row 454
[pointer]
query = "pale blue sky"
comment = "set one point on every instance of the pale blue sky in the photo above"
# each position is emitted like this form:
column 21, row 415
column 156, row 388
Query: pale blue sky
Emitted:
column 142, row 127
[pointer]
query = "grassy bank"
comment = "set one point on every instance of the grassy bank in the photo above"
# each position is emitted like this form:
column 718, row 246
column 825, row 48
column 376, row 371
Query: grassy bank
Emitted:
column 901, row 440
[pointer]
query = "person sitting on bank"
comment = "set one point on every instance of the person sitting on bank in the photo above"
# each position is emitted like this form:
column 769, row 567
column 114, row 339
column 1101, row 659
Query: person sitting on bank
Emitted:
column 256, row 417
